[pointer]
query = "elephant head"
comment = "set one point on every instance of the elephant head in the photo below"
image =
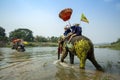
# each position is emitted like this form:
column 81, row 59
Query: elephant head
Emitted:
column 83, row 48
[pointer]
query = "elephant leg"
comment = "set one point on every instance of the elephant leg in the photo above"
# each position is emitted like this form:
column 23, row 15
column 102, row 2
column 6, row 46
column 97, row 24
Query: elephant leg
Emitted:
column 82, row 57
column 95, row 63
column 71, row 58
column 82, row 63
column 64, row 55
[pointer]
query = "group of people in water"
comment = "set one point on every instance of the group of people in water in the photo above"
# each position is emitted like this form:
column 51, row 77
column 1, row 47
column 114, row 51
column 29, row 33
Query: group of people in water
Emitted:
column 18, row 45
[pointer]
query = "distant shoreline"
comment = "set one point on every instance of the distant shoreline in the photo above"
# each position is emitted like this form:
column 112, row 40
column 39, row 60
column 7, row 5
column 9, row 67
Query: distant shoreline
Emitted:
column 116, row 47
column 37, row 44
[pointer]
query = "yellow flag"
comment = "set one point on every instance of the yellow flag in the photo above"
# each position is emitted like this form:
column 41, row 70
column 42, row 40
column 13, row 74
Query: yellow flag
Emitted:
column 25, row 42
column 84, row 19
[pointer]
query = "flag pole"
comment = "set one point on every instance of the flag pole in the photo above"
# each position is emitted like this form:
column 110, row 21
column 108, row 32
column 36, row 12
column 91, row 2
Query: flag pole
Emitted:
column 69, row 23
column 80, row 20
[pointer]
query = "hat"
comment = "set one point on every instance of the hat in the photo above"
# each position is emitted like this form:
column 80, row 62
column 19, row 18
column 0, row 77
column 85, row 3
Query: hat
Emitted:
column 76, row 24
column 66, row 27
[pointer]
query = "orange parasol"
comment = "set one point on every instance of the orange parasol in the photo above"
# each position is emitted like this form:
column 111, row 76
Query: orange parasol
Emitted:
column 65, row 14
column 16, row 40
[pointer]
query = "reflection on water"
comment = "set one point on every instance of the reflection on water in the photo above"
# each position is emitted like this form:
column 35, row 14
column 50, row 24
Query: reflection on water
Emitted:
column 109, row 59
column 8, row 56
column 37, row 63
column 73, row 74
column 18, row 57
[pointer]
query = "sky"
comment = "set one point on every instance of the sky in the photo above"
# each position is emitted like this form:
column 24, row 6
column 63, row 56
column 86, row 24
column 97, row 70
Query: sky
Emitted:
column 42, row 17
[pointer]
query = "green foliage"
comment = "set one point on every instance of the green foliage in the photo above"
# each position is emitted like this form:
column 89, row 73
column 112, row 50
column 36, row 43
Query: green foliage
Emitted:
column 3, row 37
column 2, row 32
column 113, row 45
column 117, row 42
column 21, row 33
column 34, row 44
column 116, row 45
column 53, row 39
column 48, row 39
column 40, row 39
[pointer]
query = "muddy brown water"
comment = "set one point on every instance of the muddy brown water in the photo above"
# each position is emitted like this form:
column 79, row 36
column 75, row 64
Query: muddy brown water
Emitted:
column 40, row 63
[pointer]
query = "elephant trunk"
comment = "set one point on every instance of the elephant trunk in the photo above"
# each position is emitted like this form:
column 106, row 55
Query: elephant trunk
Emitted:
column 58, row 53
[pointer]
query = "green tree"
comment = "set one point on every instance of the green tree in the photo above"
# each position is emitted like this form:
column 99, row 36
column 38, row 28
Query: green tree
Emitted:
column 2, row 32
column 21, row 33
column 3, row 37
column 54, row 39
column 40, row 39
column 116, row 42
column 44, row 39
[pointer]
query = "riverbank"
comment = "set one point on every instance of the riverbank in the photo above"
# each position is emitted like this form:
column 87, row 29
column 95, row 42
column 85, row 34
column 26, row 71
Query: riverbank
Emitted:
column 113, row 45
column 116, row 47
column 36, row 44
column 43, row 44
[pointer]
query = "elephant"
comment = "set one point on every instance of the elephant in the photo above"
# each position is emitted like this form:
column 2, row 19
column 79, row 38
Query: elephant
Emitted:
column 19, row 48
column 82, row 47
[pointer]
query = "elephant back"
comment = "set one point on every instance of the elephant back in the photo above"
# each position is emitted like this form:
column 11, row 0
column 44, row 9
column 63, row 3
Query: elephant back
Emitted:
column 79, row 38
column 81, row 43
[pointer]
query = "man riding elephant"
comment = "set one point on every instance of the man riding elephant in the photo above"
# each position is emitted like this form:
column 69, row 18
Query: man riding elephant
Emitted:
column 76, row 31
column 82, row 47
column 71, row 32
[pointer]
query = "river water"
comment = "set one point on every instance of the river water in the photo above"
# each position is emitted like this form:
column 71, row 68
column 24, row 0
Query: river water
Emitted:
column 40, row 63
